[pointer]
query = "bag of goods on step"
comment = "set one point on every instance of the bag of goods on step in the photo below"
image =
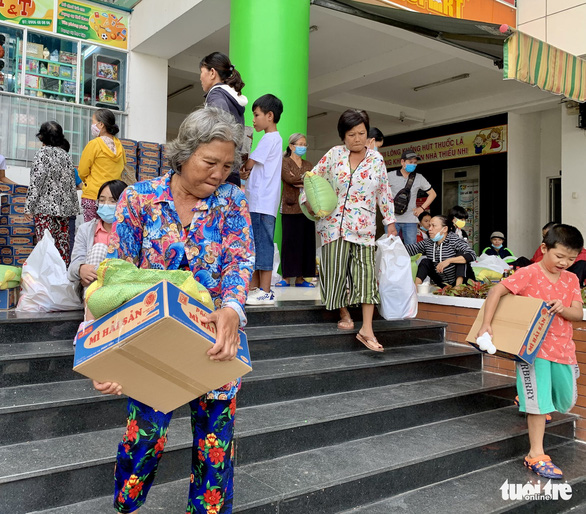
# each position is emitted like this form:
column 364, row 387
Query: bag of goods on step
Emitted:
column 44, row 282
column 320, row 196
column 155, row 343
column 489, row 267
column 398, row 295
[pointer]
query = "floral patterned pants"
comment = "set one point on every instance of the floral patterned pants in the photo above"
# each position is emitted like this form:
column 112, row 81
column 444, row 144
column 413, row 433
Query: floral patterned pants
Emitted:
column 212, row 471
column 59, row 229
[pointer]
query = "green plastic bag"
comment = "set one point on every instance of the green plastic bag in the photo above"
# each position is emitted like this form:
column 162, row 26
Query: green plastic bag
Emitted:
column 119, row 281
column 320, row 196
column 9, row 276
column 414, row 266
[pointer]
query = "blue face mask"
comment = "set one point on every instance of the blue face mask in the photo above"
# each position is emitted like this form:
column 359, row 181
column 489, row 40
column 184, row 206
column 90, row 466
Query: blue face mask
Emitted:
column 437, row 237
column 497, row 247
column 300, row 150
column 410, row 168
column 423, row 228
column 106, row 213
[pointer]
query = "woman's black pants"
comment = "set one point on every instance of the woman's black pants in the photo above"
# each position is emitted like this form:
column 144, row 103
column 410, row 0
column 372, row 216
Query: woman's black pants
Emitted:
column 427, row 269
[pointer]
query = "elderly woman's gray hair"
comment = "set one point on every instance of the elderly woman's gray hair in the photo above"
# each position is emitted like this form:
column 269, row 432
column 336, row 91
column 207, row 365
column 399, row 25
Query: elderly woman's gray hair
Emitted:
column 202, row 127
column 293, row 138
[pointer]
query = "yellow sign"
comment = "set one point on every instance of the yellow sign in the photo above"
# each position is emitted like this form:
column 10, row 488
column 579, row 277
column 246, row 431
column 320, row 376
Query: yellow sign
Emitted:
column 37, row 14
column 492, row 11
column 475, row 143
column 84, row 21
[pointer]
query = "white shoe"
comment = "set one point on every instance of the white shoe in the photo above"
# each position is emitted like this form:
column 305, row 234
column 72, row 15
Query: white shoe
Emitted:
column 260, row 297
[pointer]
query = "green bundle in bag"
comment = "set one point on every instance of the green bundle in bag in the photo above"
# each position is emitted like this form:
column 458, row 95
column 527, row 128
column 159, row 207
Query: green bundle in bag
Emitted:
column 119, row 281
column 321, row 197
column 9, row 276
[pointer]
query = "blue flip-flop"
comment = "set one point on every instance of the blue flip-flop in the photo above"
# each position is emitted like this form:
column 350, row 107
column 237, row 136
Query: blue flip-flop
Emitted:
column 282, row 283
column 305, row 283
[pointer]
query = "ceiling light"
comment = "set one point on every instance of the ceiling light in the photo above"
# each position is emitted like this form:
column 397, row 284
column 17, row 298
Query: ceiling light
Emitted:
column 441, row 82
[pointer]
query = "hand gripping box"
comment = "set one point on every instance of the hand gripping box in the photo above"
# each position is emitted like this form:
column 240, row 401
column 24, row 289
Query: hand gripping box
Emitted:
column 518, row 327
column 155, row 347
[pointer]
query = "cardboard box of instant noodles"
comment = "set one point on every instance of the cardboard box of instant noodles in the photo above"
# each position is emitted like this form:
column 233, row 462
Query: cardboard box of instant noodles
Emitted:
column 155, row 347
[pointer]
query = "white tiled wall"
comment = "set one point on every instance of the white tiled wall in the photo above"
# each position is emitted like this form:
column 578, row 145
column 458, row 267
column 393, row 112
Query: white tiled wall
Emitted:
column 561, row 23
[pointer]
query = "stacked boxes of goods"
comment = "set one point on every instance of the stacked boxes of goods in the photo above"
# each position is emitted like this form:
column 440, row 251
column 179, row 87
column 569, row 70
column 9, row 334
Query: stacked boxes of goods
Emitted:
column 165, row 166
column 149, row 160
column 17, row 234
column 130, row 147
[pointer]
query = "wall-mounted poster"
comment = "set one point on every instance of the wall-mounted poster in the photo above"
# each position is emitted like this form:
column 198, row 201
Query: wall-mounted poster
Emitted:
column 92, row 23
column 475, row 143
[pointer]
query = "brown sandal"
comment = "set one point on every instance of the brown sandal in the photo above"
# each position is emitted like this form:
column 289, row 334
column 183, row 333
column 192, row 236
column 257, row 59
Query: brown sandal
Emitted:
column 346, row 324
column 371, row 344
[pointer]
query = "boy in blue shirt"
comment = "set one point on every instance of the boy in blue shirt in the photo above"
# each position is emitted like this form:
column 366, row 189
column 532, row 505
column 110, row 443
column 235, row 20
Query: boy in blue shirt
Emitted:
column 262, row 173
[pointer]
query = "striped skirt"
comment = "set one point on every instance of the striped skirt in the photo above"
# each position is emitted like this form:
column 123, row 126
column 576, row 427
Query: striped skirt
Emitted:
column 347, row 275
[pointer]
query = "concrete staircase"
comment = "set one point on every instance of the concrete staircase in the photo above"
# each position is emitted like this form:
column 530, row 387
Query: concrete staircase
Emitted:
column 323, row 425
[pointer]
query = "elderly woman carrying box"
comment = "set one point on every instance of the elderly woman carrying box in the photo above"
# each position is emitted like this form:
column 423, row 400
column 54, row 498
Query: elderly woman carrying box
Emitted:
column 189, row 219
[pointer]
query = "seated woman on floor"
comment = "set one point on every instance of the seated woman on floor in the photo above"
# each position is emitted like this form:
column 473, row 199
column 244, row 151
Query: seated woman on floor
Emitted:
column 91, row 241
column 446, row 255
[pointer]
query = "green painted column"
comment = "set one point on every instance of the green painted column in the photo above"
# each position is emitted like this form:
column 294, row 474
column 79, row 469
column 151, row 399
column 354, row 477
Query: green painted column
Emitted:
column 269, row 46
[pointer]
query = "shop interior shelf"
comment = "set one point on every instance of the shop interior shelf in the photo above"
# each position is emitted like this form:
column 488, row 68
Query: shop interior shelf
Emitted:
column 50, row 92
column 50, row 76
column 74, row 65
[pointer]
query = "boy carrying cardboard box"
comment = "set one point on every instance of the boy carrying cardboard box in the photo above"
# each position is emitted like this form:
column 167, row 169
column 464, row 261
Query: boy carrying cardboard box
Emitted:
column 550, row 382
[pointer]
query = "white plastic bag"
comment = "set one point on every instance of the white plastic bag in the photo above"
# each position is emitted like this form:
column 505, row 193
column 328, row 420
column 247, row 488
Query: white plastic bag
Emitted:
column 491, row 262
column 398, row 294
column 45, row 286
column 275, row 277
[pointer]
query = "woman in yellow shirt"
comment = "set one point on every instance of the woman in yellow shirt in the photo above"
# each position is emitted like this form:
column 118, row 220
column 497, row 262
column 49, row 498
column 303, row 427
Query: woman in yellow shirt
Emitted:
column 102, row 159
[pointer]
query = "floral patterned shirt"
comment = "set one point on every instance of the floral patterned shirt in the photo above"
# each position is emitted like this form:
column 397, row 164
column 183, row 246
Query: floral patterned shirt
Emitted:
column 218, row 245
column 358, row 191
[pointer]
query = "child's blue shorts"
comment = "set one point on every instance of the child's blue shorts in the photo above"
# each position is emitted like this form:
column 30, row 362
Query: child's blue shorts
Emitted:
column 263, row 230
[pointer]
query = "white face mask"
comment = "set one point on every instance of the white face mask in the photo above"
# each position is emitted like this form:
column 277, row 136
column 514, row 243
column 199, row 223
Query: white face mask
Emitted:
column 95, row 130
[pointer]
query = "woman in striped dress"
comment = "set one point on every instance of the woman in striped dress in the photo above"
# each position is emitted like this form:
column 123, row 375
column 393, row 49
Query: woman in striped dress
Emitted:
column 446, row 255
column 359, row 178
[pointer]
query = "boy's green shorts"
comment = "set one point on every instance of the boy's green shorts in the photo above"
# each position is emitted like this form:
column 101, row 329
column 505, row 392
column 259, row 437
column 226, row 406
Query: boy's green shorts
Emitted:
column 547, row 386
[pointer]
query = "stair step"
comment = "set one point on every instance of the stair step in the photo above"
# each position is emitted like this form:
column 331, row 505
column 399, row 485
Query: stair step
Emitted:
column 73, row 405
column 65, row 408
column 261, row 432
column 51, row 361
column 310, row 339
column 479, row 492
column 327, row 374
column 18, row 327
column 354, row 473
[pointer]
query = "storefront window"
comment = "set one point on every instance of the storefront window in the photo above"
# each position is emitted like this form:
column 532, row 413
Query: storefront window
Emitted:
column 10, row 62
column 62, row 79
column 104, row 72
column 51, row 68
